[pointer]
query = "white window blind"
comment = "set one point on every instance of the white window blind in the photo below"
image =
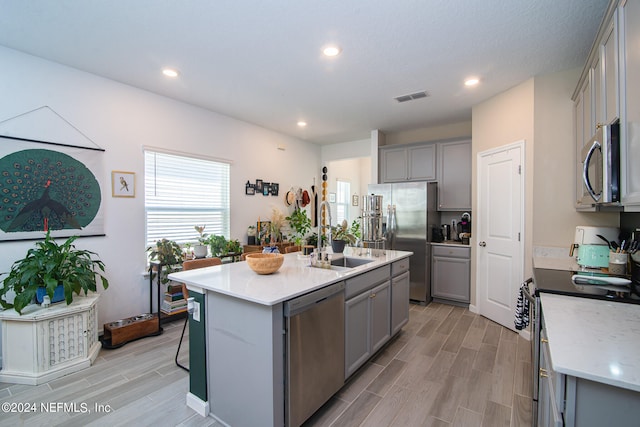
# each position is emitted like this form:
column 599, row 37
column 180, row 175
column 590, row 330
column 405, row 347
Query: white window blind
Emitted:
column 343, row 191
column 182, row 192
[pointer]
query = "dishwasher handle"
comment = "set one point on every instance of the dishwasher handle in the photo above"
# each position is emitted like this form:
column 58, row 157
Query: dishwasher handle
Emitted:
column 304, row 302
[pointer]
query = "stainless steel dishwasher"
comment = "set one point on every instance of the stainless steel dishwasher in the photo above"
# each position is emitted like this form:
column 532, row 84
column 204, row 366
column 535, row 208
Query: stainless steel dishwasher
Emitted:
column 314, row 351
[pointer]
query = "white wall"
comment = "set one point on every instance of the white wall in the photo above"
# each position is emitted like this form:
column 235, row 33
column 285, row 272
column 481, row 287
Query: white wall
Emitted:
column 121, row 119
column 432, row 133
column 554, row 214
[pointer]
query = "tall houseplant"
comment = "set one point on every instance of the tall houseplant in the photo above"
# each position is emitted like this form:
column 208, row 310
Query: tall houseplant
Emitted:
column 169, row 254
column 50, row 265
column 301, row 224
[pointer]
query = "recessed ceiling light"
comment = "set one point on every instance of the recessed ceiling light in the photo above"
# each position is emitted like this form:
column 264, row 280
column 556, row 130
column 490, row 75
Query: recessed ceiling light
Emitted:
column 471, row 81
column 331, row 51
column 302, row 124
column 170, row 72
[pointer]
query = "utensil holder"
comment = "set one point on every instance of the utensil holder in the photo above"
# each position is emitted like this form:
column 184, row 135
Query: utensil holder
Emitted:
column 618, row 263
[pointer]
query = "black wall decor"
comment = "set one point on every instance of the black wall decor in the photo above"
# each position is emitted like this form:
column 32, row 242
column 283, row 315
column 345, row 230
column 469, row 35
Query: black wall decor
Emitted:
column 261, row 187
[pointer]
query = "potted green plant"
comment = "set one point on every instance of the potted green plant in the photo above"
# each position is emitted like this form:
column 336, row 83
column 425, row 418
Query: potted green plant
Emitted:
column 168, row 254
column 217, row 244
column 341, row 235
column 233, row 246
column 52, row 269
column 301, row 224
column 200, row 249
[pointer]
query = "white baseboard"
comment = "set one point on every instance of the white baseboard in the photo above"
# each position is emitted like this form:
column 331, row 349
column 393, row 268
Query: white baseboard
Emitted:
column 473, row 309
column 197, row 404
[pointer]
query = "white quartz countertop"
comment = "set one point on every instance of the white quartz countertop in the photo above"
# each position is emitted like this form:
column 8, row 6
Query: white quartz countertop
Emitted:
column 294, row 278
column 594, row 339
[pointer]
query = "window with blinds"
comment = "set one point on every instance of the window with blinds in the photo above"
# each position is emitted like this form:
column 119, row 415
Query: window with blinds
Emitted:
column 182, row 192
column 343, row 191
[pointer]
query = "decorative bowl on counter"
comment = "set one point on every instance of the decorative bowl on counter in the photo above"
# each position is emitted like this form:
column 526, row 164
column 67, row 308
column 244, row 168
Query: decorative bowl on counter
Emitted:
column 264, row 263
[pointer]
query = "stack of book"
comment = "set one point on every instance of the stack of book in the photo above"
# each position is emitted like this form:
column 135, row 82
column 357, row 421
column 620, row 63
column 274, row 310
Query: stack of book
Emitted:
column 174, row 301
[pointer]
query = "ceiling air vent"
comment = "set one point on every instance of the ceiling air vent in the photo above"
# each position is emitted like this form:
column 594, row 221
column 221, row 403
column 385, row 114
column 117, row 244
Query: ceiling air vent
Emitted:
column 412, row 96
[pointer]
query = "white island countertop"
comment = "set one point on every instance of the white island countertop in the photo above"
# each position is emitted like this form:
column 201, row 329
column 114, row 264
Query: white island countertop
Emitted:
column 294, row 278
column 594, row 339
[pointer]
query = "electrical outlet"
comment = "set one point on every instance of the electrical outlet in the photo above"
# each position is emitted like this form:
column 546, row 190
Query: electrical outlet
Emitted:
column 196, row 311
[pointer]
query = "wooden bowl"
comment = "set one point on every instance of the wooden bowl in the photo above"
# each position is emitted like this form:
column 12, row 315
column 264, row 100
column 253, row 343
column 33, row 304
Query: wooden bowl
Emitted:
column 264, row 263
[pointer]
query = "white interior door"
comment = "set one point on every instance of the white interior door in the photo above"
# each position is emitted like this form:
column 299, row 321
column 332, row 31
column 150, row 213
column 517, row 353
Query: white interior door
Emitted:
column 500, row 231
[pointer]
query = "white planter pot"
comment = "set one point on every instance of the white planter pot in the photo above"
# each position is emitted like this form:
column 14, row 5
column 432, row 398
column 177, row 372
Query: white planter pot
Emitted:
column 47, row 343
column 200, row 251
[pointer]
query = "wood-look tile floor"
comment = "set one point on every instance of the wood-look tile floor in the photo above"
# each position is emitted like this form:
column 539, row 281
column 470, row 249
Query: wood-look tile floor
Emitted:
column 448, row 367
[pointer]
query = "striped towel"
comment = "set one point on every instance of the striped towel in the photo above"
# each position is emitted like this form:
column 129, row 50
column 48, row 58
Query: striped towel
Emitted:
column 522, row 308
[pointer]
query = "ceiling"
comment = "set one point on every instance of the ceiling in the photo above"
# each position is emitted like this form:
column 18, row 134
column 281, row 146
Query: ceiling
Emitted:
column 260, row 61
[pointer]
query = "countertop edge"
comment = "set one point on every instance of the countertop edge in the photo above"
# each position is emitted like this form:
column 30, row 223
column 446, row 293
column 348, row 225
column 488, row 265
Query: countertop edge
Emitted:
column 586, row 352
column 332, row 277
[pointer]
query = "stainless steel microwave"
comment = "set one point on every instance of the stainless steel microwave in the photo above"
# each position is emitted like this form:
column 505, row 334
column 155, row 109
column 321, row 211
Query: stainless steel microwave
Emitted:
column 601, row 167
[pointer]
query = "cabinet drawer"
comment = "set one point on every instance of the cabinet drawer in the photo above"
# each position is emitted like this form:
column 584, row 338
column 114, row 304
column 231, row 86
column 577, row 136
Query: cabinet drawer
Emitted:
column 451, row 251
column 399, row 267
column 367, row 280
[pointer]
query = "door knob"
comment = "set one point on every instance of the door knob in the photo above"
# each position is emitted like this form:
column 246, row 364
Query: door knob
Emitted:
column 482, row 244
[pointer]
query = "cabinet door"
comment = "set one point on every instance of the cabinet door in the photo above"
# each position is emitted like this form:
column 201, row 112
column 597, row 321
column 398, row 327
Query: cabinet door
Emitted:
column 380, row 299
column 393, row 165
column 579, row 142
column 399, row 302
column 596, row 90
column 450, row 278
column 357, row 332
column 629, row 14
column 422, row 163
column 454, row 188
column 610, row 79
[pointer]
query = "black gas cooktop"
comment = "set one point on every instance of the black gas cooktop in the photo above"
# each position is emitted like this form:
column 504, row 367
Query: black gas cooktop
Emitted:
column 559, row 282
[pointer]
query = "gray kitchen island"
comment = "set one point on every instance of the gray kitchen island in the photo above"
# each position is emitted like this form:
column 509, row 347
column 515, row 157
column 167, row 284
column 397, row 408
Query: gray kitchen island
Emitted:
column 251, row 336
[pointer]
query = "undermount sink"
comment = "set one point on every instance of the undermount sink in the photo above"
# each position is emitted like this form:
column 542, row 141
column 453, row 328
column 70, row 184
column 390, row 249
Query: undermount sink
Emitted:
column 350, row 262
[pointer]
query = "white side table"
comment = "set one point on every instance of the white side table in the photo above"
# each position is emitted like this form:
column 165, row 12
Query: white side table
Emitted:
column 43, row 344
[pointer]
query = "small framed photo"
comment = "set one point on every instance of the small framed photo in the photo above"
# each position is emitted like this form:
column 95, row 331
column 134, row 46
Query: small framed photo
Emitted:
column 266, row 188
column 354, row 200
column 249, row 189
column 275, row 187
column 332, row 197
column 258, row 186
column 123, row 184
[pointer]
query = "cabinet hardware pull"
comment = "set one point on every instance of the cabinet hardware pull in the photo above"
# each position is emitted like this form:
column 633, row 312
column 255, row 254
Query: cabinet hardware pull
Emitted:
column 543, row 373
column 372, row 296
column 544, row 340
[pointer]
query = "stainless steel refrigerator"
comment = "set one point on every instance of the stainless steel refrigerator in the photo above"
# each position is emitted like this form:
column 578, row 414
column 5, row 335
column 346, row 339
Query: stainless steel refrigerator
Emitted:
column 415, row 217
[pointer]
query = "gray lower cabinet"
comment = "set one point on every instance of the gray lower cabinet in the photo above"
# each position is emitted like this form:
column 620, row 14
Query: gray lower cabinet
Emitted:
column 367, row 325
column 550, row 394
column 565, row 400
column 399, row 301
column 451, row 273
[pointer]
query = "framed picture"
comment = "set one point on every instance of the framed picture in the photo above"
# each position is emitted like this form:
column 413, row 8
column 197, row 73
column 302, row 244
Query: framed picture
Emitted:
column 263, row 230
column 354, row 200
column 275, row 187
column 249, row 189
column 123, row 184
column 332, row 197
column 258, row 188
column 266, row 188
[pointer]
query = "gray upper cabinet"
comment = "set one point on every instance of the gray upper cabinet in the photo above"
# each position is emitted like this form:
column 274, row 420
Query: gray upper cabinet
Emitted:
column 629, row 23
column 609, row 89
column 408, row 163
column 454, row 169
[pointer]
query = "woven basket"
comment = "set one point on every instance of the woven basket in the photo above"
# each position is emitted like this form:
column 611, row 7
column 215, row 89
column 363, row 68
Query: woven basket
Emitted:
column 265, row 263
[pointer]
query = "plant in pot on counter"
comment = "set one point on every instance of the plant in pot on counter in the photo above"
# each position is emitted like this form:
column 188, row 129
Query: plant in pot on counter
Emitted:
column 55, row 270
column 169, row 254
column 301, row 224
column 200, row 249
column 341, row 235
